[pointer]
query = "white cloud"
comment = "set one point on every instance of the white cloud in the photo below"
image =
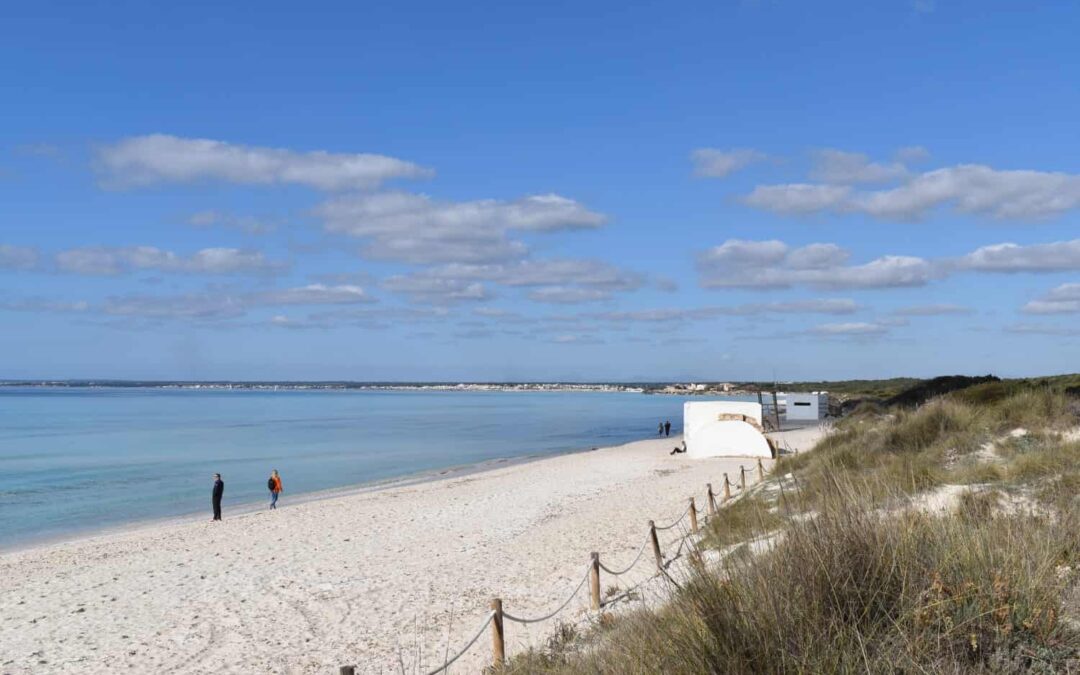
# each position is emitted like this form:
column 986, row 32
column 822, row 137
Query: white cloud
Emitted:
column 573, row 339
column 416, row 229
column 845, row 168
column 1064, row 299
column 797, row 198
column 425, row 287
column 495, row 313
column 344, row 278
column 890, row 271
column 108, row 261
column 715, row 163
column 557, row 280
column 746, row 253
column 17, row 257
column 188, row 306
column 967, row 188
column 161, row 158
column 1009, row 257
column 817, row 306
column 850, row 329
column 568, row 295
column 773, row 264
column 680, row 315
column 942, row 309
column 380, row 318
column 548, row 272
column 316, row 294
column 219, row 304
column 816, row 257
column 246, row 224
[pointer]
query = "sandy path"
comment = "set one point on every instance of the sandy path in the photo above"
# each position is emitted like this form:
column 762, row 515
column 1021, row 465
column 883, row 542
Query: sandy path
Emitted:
column 366, row 578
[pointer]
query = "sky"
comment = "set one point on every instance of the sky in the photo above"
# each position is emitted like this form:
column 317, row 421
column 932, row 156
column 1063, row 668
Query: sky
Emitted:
column 564, row 191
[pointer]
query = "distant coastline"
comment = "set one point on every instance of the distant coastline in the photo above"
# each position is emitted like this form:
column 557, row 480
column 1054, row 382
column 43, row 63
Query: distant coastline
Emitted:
column 226, row 385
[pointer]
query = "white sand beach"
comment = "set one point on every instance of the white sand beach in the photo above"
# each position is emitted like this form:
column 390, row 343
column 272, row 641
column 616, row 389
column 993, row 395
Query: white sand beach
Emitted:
column 377, row 579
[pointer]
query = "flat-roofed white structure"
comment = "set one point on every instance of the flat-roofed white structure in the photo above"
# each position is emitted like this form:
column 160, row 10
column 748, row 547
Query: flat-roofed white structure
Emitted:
column 812, row 406
column 724, row 429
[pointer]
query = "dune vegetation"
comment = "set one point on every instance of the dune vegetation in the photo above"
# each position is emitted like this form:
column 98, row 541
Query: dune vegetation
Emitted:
column 937, row 538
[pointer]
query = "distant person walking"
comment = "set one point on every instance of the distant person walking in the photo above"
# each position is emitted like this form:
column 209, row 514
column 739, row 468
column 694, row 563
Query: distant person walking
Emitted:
column 274, row 485
column 667, row 427
column 215, row 496
column 660, row 429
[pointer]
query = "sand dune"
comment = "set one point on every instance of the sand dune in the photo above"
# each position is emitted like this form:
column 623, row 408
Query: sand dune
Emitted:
column 377, row 579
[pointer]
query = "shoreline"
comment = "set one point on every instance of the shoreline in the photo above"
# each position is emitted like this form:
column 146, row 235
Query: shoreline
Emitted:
column 79, row 535
column 380, row 578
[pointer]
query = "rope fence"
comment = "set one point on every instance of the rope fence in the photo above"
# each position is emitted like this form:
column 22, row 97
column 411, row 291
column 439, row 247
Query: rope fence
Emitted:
column 517, row 619
column 677, row 521
column 496, row 617
column 641, row 551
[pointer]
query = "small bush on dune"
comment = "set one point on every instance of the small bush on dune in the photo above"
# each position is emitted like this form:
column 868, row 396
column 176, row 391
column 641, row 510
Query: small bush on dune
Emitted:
column 866, row 409
column 976, row 472
column 1062, row 492
column 984, row 394
column 743, row 519
column 918, row 430
column 978, row 504
column 1044, row 460
column 1032, row 408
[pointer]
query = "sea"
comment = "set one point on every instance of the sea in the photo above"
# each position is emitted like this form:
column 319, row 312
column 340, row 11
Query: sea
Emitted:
column 79, row 460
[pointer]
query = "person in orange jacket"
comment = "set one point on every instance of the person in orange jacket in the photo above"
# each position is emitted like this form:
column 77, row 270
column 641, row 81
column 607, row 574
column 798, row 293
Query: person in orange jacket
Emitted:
column 275, row 488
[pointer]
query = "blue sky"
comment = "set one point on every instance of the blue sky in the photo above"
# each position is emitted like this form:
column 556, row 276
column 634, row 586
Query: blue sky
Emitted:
column 496, row 191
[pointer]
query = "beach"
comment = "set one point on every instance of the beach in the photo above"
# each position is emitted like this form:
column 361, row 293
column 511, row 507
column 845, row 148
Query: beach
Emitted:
column 389, row 580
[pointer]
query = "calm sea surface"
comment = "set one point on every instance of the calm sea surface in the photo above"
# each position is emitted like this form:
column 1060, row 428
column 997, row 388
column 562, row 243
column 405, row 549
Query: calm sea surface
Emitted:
column 73, row 460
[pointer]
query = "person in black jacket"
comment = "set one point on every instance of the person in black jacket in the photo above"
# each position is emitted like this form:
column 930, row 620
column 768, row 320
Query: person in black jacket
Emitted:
column 667, row 427
column 215, row 498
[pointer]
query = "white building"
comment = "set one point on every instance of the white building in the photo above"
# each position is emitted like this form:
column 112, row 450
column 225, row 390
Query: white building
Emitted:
column 724, row 429
column 807, row 407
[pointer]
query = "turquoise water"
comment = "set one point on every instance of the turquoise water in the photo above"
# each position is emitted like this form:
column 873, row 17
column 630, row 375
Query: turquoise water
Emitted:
column 73, row 460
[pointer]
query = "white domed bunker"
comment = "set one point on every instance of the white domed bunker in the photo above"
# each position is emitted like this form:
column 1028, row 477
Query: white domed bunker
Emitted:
column 724, row 429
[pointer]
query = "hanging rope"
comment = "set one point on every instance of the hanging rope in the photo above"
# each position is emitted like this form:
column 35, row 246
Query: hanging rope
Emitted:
column 679, row 520
column 518, row 619
column 467, row 647
column 629, row 567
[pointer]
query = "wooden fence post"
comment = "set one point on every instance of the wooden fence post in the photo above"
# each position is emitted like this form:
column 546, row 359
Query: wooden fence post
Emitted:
column 693, row 516
column 760, row 471
column 656, row 546
column 742, row 477
column 498, row 644
column 727, row 488
column 712, row 502
column 776, row 409
column 594, row 580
